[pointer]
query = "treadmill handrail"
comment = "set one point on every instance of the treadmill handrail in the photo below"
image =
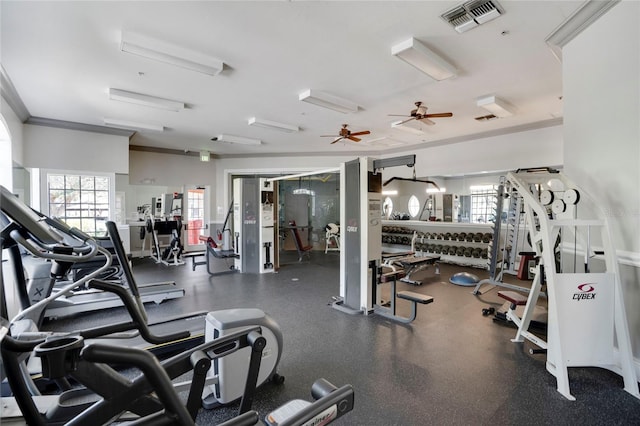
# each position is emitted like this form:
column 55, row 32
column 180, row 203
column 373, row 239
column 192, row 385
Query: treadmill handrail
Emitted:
column 34, row 310
column 138, row 322
column 83, row 253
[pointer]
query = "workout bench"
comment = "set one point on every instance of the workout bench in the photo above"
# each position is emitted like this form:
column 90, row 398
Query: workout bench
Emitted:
column 415, row 298
column 411, row 264
column 212, row 250
column 301, row 248
column 516, row 299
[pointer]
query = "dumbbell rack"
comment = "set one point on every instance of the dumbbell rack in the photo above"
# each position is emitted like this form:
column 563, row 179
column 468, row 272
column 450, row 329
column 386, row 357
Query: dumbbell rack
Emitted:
column 456, row 243
column 586, row 312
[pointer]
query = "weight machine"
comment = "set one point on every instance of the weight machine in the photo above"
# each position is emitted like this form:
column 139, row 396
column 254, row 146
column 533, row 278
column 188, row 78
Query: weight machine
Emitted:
column 361, row 253
column 586, row 313
column 503, row 249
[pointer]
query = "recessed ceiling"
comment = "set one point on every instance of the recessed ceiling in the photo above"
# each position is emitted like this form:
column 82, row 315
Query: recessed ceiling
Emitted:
column 63, row 57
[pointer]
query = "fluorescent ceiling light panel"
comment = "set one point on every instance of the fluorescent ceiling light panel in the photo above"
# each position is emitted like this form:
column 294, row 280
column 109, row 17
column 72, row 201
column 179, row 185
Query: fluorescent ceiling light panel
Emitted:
column 126, row 124
column 496, row 106
column 328, row 101
column 162, row 51
column 145, row 100
column 418, row 55
column 237, row 139
column 398, row 125
column 267, row 124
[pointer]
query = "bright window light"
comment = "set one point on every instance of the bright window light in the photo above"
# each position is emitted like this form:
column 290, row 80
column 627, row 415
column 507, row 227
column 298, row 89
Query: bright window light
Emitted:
column 414, row 206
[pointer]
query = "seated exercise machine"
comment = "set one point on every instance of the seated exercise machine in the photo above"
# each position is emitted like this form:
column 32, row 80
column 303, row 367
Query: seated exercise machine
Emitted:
column 300, row 247
column 22, row 226
column 390, row 311
column 587, row 324
column 213, row 251
column 332, row 238
column 171, row 255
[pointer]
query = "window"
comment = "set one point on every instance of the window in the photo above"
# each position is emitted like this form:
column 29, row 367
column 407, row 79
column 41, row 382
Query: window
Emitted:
column 483, row 203
column 414, row 206
column 82, row 201
column 387, row 208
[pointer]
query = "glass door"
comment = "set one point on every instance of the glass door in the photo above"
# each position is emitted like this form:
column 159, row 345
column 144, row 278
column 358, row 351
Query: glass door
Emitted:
column 196, row 216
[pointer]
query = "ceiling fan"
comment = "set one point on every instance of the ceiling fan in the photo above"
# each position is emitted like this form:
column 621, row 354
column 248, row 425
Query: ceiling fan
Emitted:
column 346, row 134
column 420, row 113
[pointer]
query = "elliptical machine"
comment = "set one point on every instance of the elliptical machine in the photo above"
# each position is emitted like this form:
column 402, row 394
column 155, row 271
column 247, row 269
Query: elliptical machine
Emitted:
column 43, row 238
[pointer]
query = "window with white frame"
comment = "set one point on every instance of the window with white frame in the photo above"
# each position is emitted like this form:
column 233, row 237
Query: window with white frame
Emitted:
column 81, row 200
column 413, row 206
column 483, row 203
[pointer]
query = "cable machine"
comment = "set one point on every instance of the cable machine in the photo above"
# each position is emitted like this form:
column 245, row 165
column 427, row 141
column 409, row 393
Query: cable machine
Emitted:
column 587, row 322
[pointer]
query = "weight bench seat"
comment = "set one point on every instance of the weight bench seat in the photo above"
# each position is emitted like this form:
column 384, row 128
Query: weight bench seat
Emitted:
column 515, row 298
column 415, row 297
column 391, row 276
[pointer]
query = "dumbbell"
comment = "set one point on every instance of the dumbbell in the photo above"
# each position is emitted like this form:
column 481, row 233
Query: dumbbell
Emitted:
column 488, row 311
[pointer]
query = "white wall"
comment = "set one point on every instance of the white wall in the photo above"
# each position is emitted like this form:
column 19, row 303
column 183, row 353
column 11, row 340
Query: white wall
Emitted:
column 601, row 69
column 63, row 149
column 531, row 148
column 14, row 126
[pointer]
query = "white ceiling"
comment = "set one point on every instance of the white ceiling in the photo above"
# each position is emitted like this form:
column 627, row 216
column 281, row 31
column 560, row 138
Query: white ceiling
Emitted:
column 62, row 58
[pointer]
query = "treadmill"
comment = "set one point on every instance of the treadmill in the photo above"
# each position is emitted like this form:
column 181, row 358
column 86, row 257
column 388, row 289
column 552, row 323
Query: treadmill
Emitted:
column 80, row 300
column 41, row 283
column 43, row 237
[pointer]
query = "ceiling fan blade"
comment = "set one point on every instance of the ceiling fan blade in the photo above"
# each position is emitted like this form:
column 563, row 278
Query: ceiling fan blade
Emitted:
column 329, row 136
column 439, row 115
column 398, row 115
column 364, row 132
column 425, row 120
column 354, row 139
column 338, row 139
column 404, row 121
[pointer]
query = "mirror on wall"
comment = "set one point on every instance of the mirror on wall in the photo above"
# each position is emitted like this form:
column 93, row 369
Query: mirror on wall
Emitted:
column 468, row 198
column 22, row 183
column 313, row 202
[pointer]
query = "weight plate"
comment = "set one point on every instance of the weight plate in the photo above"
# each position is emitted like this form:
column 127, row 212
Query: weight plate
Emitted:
column 546, row 197
column 558, row 206
column 571, row 196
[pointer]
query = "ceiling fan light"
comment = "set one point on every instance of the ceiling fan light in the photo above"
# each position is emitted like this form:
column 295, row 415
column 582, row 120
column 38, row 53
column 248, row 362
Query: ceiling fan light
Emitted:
column 418, row 55
column 162, row 51
column 274, row 125
column 145, row 100
column 496, row 106
column 326, row 100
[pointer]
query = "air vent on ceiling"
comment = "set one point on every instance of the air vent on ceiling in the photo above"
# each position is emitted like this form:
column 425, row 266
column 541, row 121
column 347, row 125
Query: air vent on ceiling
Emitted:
column 471, row 14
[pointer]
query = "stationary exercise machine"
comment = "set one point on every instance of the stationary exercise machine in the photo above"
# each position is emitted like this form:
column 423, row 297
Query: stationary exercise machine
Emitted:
column 42, row 281
column 150, row 396
column 361, row 216
column 503, row 248
column 587, row 322
column 214, row 251
column 170, row 254
column 26, row 228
